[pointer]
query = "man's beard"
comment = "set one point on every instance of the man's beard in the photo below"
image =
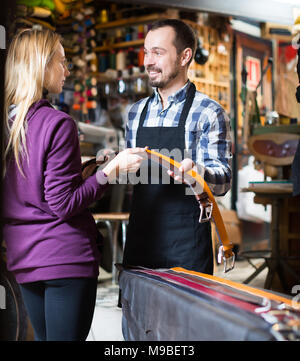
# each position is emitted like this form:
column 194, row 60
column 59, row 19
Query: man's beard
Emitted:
column 163, row 83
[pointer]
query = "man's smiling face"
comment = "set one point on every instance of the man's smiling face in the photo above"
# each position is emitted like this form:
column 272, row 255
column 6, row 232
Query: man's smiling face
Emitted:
column 161, row 59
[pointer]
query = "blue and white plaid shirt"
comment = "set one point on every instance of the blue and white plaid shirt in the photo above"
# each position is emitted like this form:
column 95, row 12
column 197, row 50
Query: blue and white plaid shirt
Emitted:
column 207, row 133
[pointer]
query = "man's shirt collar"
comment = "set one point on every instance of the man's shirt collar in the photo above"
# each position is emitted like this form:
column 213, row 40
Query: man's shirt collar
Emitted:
column 177, row 97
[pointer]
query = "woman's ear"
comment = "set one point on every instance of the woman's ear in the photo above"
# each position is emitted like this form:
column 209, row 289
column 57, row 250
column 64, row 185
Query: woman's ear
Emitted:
column 186, row 56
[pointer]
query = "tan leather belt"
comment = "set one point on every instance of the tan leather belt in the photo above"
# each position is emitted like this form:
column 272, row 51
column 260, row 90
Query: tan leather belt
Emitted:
column 208, row 206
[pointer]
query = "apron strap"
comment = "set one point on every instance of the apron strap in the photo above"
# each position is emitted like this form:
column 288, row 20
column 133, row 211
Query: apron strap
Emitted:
column 185, row 111
column 144, row 111
column 187, row 104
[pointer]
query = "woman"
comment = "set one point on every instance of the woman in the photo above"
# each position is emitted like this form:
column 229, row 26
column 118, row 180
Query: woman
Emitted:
column 49, row 233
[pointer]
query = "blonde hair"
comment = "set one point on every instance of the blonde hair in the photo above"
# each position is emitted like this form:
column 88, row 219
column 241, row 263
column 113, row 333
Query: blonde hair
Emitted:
column 29, row 53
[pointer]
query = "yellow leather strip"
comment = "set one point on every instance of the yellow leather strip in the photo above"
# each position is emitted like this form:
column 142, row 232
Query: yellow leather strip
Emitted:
column 242, row 287
column 221, row 230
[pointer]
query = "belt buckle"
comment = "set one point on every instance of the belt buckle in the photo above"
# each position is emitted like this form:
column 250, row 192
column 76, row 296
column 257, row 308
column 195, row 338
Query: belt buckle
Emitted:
column 229, row 262
column 206, row 208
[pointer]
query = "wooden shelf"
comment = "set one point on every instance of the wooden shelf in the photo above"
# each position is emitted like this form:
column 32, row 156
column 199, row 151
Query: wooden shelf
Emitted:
column 291, row 128
column 45, row 24
column 69, row 50
column 129, row 21
column 211, row 82
column 102, row 78
column 122, row 45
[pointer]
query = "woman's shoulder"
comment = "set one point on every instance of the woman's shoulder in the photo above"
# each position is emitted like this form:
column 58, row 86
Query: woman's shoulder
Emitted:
column 49, row 124
column 43, row 111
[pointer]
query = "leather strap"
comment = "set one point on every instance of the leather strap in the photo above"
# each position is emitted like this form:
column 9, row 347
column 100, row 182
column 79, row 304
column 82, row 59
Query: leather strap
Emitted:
column 199, row 186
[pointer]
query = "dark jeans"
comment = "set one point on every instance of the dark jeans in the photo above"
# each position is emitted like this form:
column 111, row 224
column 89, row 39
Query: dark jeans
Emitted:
column 61, row 309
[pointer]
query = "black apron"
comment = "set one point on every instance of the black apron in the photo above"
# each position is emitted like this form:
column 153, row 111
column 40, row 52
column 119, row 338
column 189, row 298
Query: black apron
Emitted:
column 164, row 229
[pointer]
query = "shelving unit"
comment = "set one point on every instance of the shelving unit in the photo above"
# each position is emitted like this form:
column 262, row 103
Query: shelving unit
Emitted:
column 122, row 23
column 213, row 78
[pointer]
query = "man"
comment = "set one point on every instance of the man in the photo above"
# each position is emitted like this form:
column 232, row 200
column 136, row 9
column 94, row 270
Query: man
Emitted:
column 164, row 229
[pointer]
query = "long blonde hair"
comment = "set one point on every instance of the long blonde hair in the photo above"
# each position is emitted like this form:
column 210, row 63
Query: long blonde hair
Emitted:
column 28, row 55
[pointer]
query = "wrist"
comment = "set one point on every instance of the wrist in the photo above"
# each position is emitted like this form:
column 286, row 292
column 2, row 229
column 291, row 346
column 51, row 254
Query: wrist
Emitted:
column 111, row 171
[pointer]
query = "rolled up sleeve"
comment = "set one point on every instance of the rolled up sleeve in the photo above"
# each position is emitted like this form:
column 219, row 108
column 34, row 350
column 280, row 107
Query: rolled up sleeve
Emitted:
column 214, row 151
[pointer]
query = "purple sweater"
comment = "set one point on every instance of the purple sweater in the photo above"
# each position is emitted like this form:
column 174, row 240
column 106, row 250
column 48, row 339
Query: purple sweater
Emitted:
column 48, row 231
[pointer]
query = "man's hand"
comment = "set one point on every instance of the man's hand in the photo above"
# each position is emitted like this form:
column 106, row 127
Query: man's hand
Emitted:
column 186, row 165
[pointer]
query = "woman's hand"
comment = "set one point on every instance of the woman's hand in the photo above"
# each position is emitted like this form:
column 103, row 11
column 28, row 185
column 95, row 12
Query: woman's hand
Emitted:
column 105, row 155
column 127, row 161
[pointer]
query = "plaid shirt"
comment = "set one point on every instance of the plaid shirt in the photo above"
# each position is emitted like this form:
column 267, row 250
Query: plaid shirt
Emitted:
column 207, row 133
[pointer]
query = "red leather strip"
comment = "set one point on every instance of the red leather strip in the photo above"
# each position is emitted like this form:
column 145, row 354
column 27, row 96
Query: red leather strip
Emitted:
column 203, row 289
column 222, row 288
column 242, row 287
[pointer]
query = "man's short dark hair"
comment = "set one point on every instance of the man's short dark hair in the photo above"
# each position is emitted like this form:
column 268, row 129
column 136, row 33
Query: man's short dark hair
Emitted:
column 184, row 35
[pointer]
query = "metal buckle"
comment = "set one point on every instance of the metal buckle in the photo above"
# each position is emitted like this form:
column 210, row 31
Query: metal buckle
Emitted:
column 206, row 208
column 229, row 262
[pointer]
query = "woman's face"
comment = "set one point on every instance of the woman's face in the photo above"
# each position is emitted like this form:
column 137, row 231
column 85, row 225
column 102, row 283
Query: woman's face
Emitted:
column 56, row 71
